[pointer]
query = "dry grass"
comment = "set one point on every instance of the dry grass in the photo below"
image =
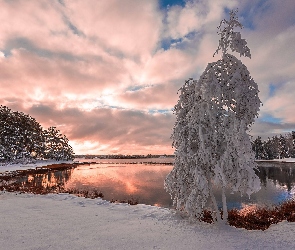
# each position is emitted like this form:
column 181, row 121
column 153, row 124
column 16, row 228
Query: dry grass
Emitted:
column 131, row 201
column 92, row 194
column 259, row 218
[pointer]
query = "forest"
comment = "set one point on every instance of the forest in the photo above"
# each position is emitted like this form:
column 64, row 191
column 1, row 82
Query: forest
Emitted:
column 276, row 147
column 22, row 139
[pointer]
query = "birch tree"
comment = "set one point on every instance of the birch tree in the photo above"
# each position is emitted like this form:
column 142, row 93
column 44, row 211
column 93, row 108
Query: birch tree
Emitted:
column 213, row 116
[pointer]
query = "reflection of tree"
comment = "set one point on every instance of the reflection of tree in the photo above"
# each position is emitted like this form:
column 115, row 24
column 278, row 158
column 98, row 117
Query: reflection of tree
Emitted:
column 281, row 173
column 49, row 179
column 36, row 181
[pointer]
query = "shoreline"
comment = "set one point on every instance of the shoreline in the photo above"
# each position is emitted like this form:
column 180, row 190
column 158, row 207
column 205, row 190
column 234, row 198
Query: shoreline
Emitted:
column 63, row 221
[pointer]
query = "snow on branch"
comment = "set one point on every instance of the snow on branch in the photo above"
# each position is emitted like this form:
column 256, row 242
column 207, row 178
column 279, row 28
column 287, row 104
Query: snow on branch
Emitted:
column 231, row 39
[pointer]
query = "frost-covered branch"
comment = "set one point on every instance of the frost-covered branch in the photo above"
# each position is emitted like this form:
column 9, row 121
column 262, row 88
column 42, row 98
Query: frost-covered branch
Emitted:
column 230, row 38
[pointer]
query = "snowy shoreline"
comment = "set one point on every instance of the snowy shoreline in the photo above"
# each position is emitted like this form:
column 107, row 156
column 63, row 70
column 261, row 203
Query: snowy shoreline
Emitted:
column 291, row 160
column 34, row 165
column 42, row 163
column 63, row 221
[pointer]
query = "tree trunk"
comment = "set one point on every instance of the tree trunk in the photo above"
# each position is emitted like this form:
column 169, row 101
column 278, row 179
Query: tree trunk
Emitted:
column 217, row 216
column 224, row 206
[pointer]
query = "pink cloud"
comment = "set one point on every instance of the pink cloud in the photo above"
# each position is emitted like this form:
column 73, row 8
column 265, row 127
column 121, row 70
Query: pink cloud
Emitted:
column 129, row 27
column 70, row 65
column 104, row 130
column 162, row 96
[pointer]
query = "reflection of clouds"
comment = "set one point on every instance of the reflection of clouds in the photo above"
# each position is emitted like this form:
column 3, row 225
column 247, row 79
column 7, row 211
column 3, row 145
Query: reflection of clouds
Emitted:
column 145, row 182
column 274, row 189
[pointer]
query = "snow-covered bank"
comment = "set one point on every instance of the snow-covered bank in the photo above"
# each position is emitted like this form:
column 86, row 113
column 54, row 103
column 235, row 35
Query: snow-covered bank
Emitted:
column 68, row 222
column 278, row 160
column 38, row 163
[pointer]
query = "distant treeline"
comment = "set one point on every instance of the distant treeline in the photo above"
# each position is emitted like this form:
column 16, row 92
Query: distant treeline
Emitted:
column 277, row 147
column 22, row 139
column 121, row 156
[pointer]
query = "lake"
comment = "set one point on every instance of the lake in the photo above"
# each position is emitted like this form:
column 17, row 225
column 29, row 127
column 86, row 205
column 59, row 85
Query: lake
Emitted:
column 142, row 180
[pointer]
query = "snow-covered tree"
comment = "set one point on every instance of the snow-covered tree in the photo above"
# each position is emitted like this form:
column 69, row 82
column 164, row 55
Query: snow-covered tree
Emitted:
column 20, row 135
column 291, row 143
column 56, row 145
column 22, row 139
column 258, row 148
column 268, row 149
column 275, row 146
column 284, row 147
column 210, row 137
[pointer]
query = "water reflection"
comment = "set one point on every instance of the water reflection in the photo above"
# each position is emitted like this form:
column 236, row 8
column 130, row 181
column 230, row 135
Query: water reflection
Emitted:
column 277, row 186
column 144, row 182
column 121, row 182
column 282, row 174
column 39, row 181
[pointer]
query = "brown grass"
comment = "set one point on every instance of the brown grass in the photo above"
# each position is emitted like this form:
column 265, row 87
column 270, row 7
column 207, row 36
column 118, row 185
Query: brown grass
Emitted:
column 259, row 218
column 131, row 201
column 92, row 194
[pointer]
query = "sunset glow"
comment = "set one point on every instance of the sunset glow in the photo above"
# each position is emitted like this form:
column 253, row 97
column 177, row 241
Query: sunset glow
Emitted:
column 106, row 73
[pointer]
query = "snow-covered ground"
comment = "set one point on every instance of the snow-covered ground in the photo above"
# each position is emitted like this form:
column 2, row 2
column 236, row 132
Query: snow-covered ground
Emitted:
column 280, row 160
column 63, row 221
column 39, row 163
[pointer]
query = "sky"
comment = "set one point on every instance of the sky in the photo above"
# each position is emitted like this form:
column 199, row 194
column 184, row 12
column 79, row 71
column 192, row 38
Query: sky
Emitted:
column 106, row 73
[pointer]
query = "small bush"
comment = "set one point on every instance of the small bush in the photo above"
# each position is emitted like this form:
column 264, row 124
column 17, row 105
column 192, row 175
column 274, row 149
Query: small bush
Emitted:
column 259, row 218
column 131, row 201
column 92, row 194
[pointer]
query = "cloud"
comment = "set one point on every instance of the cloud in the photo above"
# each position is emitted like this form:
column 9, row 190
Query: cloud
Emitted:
column 281, row 105
column 195, row 15
column 130, row 28
column 106, row 73
column 105, row 130
column 269, row 129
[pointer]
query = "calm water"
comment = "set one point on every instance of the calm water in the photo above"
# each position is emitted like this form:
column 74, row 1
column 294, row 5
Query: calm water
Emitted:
column 125, row 179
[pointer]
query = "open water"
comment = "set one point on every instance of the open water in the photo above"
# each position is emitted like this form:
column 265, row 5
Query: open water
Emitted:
column 142, row 180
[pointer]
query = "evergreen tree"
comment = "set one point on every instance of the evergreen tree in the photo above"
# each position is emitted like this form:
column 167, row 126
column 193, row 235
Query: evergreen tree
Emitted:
column 22, row 139
column 20, row 135
column 283, row 147
column 290, row 139
column 56, row 145
column 258, row 148
column 209, row 136
column 275, row 146
column 268, row 149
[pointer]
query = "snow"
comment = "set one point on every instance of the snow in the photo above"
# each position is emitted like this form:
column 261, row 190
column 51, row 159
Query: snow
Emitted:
column 38, row 163
column 64, row 221
column 278, row 160
column 284, row 160
column 213, row 116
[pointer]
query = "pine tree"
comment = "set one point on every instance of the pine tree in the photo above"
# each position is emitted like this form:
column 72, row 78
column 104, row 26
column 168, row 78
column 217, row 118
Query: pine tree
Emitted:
column 210, row 136
column 22, row 139
column 268, row 149
column 20, row 136
column 283, row 147
column 275, row 146
column 291, row 140
column 56, row 145
column 258, row 148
